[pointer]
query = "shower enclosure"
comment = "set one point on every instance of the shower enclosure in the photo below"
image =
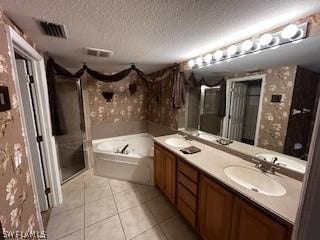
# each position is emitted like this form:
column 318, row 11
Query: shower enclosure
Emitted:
column 70, row 143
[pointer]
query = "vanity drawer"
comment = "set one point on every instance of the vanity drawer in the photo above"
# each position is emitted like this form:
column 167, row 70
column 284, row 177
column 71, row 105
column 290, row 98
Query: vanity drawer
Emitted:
column 187, row 183
column 187, row 197
column 189, row 171
column 186, row 212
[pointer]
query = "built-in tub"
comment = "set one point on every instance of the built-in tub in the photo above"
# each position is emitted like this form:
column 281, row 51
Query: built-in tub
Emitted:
column 134, row 164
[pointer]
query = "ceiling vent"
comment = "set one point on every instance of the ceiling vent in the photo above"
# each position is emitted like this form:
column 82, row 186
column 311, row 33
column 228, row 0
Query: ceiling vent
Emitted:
column 53, row 29
column 98, row 52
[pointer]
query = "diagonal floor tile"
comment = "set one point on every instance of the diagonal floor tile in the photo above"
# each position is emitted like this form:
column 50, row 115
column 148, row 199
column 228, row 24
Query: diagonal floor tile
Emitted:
column 161, row 208
column 127, row 199
column 136, row 220
column 119, row 185
column 93, row 194
column 154, row 233
column 79, row 235
column 176, row 228
column 70, row 200
column 65, row 223
column 148, row 192
column 107, row 229
column 99, row 210
column 96, row 181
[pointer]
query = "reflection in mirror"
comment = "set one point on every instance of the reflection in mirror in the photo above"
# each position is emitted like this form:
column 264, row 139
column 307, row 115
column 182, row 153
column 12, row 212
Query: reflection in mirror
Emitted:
column 267, row 105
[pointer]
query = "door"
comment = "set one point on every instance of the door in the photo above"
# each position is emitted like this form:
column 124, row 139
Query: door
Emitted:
column 159, row 167
column 215, row 210
column 251, row 224
column 33, row 131
column 237, row 110
column 165, row 172
column 170, row 176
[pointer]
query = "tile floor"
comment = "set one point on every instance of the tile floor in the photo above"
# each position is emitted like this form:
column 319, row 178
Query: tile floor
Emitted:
column 97, row 208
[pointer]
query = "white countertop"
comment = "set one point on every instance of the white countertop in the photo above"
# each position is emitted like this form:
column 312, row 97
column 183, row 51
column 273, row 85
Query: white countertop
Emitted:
column 213, row 162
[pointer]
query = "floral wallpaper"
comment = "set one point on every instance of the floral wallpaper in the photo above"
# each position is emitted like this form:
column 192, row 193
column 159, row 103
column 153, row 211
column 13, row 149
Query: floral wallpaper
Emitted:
column 160, row 102
column 275, row 116
column 19, row 210
column 151, row 101
column 123, row 106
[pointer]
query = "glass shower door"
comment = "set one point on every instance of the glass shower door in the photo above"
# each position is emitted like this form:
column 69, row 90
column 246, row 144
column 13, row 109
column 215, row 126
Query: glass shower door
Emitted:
column 70, row 144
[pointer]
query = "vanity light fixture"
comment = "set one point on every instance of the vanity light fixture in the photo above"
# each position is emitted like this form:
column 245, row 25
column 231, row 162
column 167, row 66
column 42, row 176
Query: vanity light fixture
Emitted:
column 218, row 55
column 247, row 46
column 191, row 63
column 266, row 39
column 199, row 61
column 208, row 58
column 232, row 51
column 290, row 34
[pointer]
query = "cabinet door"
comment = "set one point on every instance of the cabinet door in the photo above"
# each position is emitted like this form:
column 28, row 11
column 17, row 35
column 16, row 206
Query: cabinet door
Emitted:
column 159, row 167
column 170, row 176
column 249, row 223
column 215, row 210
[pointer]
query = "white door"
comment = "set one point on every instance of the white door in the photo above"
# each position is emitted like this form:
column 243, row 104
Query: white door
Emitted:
column 33, row 133
column 237, row 108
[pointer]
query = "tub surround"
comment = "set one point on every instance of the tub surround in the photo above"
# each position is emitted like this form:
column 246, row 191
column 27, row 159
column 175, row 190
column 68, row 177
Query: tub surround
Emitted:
column 127, row 158
column 213, row 162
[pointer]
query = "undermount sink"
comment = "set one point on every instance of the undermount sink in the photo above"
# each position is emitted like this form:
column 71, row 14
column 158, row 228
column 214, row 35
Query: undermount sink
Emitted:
column 283, row 161
column 255, row 180
column 177, row 142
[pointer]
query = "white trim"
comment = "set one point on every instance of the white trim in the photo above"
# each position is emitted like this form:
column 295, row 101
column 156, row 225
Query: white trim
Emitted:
column 228, row 97
column 50, row 154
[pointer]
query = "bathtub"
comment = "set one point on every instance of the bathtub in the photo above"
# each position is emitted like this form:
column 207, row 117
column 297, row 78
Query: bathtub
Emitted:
column 134, row 164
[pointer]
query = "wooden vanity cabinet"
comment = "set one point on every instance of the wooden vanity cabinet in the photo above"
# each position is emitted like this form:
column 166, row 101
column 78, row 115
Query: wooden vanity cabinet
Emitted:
column 215, row 210
column 250, row 223
column 165, row 172
column 187, row 191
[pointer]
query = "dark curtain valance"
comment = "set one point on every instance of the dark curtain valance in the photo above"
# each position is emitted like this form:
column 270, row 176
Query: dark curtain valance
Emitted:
column 56, row 69
column 53, row 69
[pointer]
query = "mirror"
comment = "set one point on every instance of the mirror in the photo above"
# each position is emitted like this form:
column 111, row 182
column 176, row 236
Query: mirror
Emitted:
column 269, row 102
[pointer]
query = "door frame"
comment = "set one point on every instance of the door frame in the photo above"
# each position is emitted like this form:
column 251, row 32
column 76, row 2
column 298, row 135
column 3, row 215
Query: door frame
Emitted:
column 50, row 164
column 308, row 215
column 228, row 102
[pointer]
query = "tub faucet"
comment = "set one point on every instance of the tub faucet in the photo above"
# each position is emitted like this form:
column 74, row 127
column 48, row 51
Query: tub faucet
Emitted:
column 122, row 151
column 274, row 160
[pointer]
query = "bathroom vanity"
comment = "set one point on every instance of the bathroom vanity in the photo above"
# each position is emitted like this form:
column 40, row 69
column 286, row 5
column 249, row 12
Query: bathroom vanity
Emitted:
column 215, row 205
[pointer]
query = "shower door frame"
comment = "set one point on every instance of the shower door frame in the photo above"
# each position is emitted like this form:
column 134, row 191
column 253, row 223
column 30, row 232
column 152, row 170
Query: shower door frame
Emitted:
column 82, row 129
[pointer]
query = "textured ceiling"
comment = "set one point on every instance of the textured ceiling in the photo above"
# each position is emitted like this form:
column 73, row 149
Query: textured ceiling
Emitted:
column 150, row 33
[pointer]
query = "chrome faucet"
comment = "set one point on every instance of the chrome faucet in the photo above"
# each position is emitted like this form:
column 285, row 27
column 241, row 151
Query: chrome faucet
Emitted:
column 187, row 137
column 265, row 166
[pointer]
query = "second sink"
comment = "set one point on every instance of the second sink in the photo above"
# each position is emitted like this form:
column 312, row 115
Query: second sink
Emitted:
column 255, row 180
column 177, row 142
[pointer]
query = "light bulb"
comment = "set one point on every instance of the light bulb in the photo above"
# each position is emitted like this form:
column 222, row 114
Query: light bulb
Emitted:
column 232, row 50
column 208, row 58
column 191, row 63
column 246, row 46
column 290, row 31
column 199, row 61
column 266, row 39
column 218, row 55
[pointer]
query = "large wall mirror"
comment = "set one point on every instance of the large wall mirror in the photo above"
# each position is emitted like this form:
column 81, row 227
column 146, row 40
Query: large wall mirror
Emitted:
column 266, row 102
